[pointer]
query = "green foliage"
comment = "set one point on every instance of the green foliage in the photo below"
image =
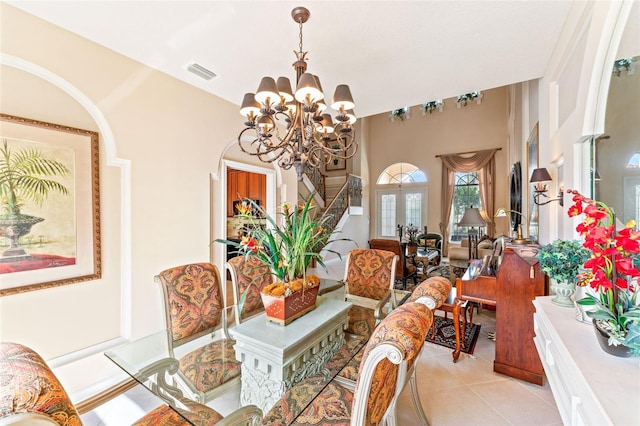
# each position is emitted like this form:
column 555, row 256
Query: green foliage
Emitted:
column 23, row 176
column 624, row 324
column 562, row 260
column 289, row 248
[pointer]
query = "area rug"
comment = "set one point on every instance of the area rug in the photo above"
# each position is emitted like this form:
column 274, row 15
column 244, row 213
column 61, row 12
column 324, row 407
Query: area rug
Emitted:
column 446, row 334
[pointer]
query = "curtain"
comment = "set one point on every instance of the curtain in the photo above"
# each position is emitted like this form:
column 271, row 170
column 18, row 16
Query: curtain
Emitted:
column 484, row 163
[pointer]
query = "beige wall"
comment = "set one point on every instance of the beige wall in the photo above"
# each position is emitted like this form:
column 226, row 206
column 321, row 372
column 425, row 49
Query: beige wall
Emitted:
column 160, row 142
column 572, row 102
column 419, row 139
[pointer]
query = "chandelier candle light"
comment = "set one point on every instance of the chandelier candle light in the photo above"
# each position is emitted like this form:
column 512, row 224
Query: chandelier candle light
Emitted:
column 292, row 128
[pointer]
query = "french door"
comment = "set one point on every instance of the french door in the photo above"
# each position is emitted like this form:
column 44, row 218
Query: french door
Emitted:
column 399, row 207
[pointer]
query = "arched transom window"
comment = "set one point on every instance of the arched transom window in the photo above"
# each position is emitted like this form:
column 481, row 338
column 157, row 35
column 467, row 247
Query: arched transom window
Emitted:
column 400, row 173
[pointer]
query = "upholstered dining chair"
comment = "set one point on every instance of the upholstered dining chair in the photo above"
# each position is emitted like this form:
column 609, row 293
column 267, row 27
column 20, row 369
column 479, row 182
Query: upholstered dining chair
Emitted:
column 432, row 292
column 389, row 354
column 249, row 275
column 32, row 395
column 405, row 268
column 194, row 307
column 369, row 278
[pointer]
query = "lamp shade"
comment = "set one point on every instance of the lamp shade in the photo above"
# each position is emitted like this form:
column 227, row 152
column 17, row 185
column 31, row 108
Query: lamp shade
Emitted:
column 342, row 98
column 249, row 105
column 308, row 88
column 268, row 90
column 284, row 89
column 326, row 125
column 540, row 175
column 472, row 217
column 352, row 116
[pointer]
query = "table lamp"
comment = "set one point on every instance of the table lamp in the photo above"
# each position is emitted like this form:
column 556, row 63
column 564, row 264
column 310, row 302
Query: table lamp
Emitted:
column 470, row 219
column 502, row 212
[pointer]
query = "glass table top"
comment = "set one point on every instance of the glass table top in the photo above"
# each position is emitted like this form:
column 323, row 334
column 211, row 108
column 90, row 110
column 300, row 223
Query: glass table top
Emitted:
column 152, row 362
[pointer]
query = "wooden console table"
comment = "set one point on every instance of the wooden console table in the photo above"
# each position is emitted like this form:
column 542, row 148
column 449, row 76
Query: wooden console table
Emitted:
column 517, row 283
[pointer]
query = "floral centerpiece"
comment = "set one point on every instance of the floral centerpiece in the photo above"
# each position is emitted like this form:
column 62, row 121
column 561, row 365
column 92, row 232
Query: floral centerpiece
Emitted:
column 561, row 261
column 287, row 248
column 612, row 272
column 412, row 237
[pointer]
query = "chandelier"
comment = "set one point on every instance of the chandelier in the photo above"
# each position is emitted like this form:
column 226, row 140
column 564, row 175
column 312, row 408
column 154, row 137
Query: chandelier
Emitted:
column 292, row 128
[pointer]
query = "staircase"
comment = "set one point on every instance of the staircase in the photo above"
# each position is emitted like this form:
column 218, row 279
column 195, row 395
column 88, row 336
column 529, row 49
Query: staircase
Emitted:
column 337, row 196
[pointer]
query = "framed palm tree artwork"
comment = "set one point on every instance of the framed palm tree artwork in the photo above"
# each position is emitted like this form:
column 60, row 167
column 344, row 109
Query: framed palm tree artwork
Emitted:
column 49, row 205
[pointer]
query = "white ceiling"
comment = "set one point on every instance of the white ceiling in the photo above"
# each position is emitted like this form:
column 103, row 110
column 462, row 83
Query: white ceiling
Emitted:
column 391, row 53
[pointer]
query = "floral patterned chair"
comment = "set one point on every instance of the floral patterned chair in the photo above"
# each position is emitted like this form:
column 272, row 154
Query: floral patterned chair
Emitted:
column 194, row 307
column 388, row 357
column 432, row 292
column 368, row 278
column 249, row 275
column 32, row 395
column 405, row 268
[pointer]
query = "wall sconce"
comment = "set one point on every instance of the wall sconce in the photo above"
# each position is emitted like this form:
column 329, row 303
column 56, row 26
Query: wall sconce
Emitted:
column 539, row 176
column 502, row 212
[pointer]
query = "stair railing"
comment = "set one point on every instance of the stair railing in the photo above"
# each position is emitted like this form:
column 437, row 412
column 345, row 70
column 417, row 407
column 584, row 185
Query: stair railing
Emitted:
column 316, row 178
column 350, row 194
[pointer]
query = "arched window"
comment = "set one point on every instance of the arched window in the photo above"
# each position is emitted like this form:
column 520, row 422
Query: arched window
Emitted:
column 466, row 193
column 401, row 205
column 400, row 173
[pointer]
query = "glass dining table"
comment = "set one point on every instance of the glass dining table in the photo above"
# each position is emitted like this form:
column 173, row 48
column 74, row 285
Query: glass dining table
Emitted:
column 274, row 358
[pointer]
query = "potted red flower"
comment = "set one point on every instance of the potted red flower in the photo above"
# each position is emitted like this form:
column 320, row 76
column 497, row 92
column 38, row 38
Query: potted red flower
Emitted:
column 612, row 273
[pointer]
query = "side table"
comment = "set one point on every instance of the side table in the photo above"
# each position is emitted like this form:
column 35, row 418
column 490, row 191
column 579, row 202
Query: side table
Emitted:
column 455, row 306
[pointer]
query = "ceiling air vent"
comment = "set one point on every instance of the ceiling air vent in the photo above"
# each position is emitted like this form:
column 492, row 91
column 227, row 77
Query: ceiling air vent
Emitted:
column 201, row 71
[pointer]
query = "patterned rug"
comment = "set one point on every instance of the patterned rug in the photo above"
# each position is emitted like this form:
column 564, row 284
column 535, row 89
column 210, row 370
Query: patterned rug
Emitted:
column 446, row 335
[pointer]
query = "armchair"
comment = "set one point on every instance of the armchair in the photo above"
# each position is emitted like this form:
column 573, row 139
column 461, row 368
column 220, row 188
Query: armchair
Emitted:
column 388, row 356
column 405, row 268
column 369, row 279
column 431, row 241
column 31, row 395
column 194, row 307
column 249, row 275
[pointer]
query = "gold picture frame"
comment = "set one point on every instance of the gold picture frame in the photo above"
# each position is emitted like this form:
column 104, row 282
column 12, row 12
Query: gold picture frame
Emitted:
column 50, row 219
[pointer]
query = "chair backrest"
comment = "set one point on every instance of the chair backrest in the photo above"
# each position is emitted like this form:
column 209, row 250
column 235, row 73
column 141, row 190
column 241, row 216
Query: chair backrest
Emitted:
column 249, row 275
column 433, row 291
column 394, row 247
column 392, row 349
column 431, row 240
column 370, row 273
column 30, row 393
column 193, row 301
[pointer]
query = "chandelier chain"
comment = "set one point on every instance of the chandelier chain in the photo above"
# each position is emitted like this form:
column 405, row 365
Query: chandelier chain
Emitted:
column 300, row 35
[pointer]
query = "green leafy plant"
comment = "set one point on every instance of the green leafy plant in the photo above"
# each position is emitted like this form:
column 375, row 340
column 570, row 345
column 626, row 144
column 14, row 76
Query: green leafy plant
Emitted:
column 562, row 260
column 23, row 176
column 287, row 248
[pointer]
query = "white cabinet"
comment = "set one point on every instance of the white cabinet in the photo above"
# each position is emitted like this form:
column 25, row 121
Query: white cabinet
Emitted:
column 590, row 386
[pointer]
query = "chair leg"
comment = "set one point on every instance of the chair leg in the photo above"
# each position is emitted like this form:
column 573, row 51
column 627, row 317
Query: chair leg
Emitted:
column 417, row 404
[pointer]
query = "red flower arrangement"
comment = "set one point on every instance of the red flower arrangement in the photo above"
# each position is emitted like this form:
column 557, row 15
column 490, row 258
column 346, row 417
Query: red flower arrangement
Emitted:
column 612, row 270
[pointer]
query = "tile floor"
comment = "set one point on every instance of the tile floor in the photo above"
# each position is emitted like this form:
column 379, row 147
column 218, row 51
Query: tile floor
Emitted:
column 465, row 393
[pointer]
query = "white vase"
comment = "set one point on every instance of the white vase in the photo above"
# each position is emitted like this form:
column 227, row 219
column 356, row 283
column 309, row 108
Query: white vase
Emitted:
column 581, row 311
column 563, row 291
